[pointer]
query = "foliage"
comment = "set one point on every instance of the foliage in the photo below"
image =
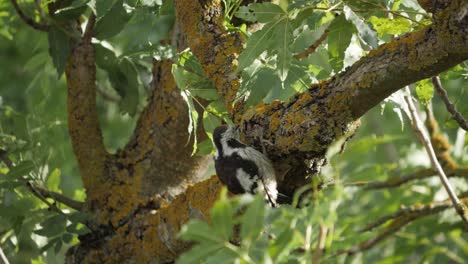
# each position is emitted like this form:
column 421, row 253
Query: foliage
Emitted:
column 129, row 35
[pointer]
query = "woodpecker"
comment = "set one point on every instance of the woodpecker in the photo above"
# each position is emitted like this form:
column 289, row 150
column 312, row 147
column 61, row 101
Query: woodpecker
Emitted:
column 242, row 168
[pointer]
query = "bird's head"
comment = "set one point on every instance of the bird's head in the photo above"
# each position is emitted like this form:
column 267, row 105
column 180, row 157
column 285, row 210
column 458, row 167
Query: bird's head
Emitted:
column 225, row 132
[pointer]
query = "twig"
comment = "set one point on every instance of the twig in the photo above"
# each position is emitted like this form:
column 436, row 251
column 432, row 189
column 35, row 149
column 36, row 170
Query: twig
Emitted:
column 3, row 258
column 106, row 95
column 28, row 20
column 425, row 209
column 89, row 30
column 38, row 194
column 60, row 198
column 420, row 131
column 318, row 252
column 421, row 174
column 401, row 218
column 397, row 181
column 312, row 48
column 440, row 143
column 393, row 12
column 450, row 107
column 43, row 193
column 393, row 228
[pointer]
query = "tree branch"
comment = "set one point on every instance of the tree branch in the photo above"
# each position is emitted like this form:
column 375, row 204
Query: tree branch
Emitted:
column 439, row 142
column 153, row 231
column 311, row 49
column 161, row 135
column 450, row 107
column 59, row 198
column 310, row 121
column 28, row 20
column 418, row 175
column 216, row 49
column 41, row 192
column 416, row 210
column 425, row 140
column 3, row 258
column 319, row 249
column 400, row 219
column 107, row 96
column 83, row 123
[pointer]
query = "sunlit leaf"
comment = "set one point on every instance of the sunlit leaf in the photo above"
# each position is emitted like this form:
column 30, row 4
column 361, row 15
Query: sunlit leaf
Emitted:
column 252, row 221
column 256, row 44
column 198, row 253
column 222, row 215
column 267, row 12
column 53, row 180
column 366, row 33
column 394, row 26
column 424, row 91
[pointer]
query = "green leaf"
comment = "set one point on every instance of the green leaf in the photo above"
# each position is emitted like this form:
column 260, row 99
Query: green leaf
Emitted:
column 309, row 17
column 58, row 246
column 210, row 122
column 78, row 217
column 307, row 37
column 298, row 80
column 105, row 56
column 284, row 37
column 20, row 170
column 113, row 21
column 284, row 244
column 193, row 118
column 219, row 109
column 103, row 7
column 190, row 77
column 10, row 185
column 256, row 44
column 366, row 33
column 53, row 181
column 223, row 255
column 362, row 145
column 129, row 92
column 74, row 10
column 123, row 76
column 50, row 244
column 252, row 220
column 424, row 91
column 59, row 48
column 260, row 85
column 394, row 26
column 191, row 63
column 52, row 226
column 67, row 238
column 204, row 148
column 244, row 13
column 222, row 216
column 339, row 37
column 198, row 253
column 199, row 231
column 267, row 12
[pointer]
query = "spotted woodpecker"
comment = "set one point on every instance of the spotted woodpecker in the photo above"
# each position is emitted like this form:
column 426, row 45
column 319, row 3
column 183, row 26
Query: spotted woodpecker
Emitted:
column 242, row 168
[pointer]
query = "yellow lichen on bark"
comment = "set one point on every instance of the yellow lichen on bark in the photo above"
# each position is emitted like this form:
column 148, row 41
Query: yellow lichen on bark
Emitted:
column 216, row 49
column 152, row 235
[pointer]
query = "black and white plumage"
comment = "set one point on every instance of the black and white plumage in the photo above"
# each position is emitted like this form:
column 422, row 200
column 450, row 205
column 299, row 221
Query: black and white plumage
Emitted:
column 242, row 168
